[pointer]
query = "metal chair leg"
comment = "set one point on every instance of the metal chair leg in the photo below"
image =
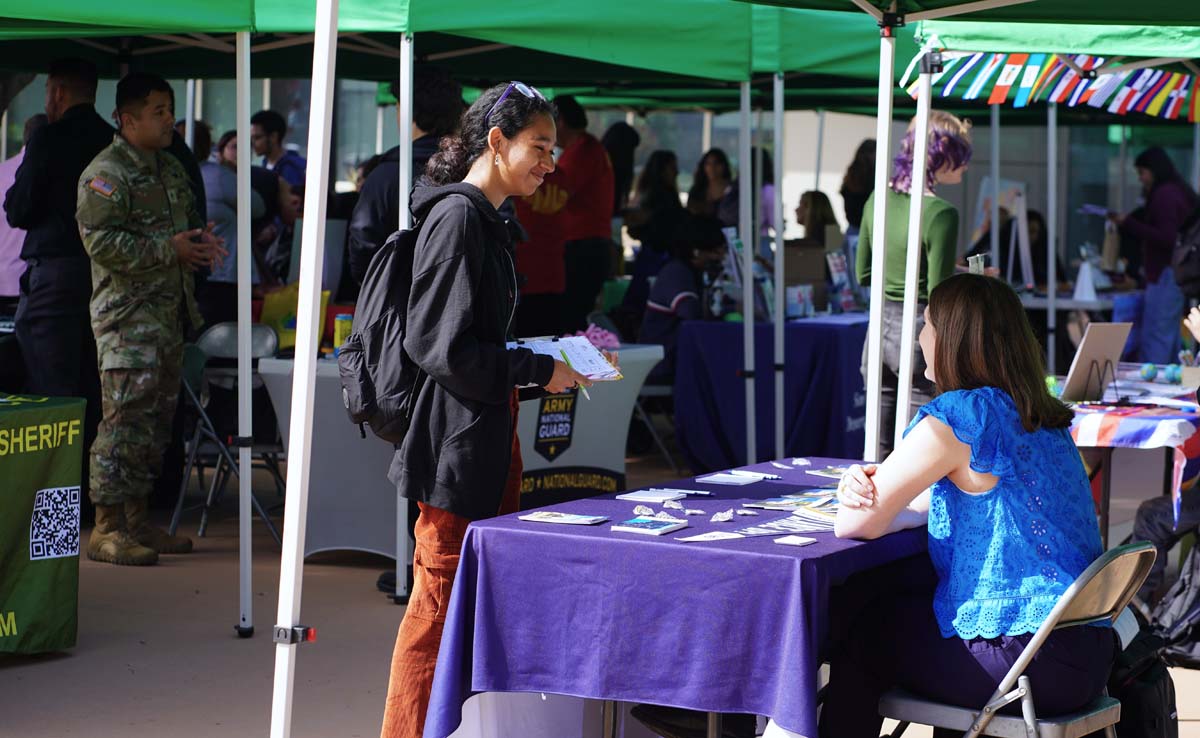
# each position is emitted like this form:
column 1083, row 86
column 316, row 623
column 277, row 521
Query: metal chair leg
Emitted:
column 714, row 725
column 609, row 713
column 662, row 447
column 1027, row 711
column 218, row 477
column 187, row 478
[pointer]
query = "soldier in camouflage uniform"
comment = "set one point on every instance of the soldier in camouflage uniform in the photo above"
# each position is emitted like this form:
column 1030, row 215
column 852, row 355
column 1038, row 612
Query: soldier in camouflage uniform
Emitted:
column 141, row 227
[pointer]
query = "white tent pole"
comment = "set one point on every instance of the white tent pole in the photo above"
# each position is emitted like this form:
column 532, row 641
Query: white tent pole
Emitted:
column 759, row 177
column 406, row 111
column 995, row 175
column 199, row 98
column 266, row 94
column 883, row 148
column 1051, row 230
column 245, row 388
column 746, row 225
column 379, row 129
column 706, row 133
column 4, row 136
column 308, row 334
column 405, row 102
column 780, row 286
column 1196, row 156
column 189, row 118
column 1123, row 157
column 820, row 151
column 912, row 266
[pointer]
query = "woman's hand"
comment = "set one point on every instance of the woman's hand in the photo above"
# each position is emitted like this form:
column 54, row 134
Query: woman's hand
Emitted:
column 1192, row 321
column 565, row 378
column 1116, row 218
column 612, row 357
column 856, row 489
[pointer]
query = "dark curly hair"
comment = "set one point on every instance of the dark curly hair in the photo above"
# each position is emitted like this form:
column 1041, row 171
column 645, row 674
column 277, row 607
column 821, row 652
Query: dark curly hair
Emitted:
column 458, row 151
column 437, row 100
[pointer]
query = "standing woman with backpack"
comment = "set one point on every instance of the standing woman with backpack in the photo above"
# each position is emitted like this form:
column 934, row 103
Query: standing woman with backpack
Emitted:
column 460, row 459
column 1169, row 202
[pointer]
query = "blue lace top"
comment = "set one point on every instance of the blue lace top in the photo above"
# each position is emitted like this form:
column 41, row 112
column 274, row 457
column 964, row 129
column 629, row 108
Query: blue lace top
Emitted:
column 1003, row 557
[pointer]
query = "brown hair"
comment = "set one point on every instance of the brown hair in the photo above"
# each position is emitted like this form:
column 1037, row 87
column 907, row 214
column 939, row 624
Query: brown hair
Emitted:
column 818, row 216
column 984, row 340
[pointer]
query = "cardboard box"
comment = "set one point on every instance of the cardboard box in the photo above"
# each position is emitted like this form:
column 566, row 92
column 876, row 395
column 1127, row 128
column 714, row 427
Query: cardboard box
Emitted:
column 804, row 263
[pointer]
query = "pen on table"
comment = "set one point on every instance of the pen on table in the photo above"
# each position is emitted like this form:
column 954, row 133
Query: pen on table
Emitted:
column 568, row 363
column 756, row 475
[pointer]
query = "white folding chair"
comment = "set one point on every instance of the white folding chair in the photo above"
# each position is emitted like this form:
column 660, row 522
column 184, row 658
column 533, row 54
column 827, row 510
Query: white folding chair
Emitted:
column 1100, row 593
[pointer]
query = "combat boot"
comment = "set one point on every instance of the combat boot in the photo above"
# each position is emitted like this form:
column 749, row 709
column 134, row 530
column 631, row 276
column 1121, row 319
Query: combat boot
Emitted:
column 110, row 541
column 137, row 514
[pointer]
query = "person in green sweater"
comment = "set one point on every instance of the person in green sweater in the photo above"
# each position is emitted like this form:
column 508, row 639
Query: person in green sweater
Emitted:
column 946, row 161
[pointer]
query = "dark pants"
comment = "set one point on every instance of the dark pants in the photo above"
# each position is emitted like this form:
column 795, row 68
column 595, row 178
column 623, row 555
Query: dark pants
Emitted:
column 886, row 636
column 539, row 315
column 589, row 265
column 1155, row 522
column 922, row 391
column 54, row 330
column 217, row 302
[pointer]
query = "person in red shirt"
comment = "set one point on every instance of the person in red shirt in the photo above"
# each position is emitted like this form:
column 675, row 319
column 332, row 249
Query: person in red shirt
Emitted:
column 541, row 266
column 587, row 176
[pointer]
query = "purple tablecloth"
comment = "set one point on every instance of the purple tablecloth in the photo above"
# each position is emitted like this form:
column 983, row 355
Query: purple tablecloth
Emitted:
column 726, row 626
column 824, row 404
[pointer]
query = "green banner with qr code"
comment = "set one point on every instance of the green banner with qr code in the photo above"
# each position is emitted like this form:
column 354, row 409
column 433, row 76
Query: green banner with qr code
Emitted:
column 41, row 457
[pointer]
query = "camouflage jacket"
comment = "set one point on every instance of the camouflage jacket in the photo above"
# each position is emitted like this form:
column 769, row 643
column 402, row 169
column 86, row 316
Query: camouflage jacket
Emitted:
column 129, row 206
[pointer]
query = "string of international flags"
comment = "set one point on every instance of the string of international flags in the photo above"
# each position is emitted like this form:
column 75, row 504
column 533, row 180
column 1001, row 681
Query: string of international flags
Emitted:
column 1031, row 78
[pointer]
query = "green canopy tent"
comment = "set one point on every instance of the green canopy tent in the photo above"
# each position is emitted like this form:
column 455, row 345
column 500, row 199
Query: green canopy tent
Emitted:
column 1114, row 58
column 890, row 16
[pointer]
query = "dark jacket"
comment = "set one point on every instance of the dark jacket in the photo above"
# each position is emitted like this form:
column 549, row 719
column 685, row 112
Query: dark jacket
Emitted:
column 42, row 198
column 458, row 449
column 377, row 214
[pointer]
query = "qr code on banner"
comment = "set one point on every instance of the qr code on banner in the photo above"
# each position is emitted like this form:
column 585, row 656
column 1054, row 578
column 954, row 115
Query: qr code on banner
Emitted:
column 54, row 529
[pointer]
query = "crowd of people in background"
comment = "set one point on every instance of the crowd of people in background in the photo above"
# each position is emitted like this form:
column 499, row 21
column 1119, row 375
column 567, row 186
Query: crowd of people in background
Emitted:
column 569, row 234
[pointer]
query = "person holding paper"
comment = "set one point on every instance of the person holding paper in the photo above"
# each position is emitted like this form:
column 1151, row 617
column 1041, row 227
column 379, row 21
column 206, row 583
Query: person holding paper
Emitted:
column 460, row 459
column 946, row 161
column 990, row 466
column 1169, row 202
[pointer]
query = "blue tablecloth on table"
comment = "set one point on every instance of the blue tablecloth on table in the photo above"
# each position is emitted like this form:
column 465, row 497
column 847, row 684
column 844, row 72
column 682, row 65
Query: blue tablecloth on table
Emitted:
column 726, row 626
column 824, row 400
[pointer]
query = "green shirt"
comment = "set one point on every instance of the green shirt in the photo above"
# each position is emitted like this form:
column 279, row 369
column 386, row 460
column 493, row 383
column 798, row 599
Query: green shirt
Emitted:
column 939, row 244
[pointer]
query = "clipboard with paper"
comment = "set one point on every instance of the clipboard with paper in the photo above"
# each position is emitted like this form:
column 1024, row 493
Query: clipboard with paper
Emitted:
column 578, row 352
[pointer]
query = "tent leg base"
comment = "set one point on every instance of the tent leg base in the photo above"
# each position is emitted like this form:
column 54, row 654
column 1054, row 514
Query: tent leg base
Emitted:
column 244, row 631
column 399, row 599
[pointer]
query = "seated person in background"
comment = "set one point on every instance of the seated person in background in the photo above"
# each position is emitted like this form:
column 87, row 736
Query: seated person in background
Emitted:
column 1155, row 519
column 990, row 465
column 815, row 214
column 1037, row 247
column 678, row 291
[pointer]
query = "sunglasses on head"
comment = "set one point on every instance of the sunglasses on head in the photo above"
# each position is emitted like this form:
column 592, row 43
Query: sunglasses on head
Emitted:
column 521, row 87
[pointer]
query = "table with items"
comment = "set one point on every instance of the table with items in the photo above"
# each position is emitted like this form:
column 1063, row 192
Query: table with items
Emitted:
column 824, row 402
column 720, row 624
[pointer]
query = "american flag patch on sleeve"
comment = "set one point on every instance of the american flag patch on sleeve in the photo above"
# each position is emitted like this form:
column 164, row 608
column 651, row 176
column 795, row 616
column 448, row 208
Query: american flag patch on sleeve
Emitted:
column 101, row 186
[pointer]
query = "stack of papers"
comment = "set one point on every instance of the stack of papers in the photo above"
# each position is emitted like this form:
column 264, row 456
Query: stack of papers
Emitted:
column 649, row 526
column 578, row 352
column 733, row 480
column 785, row 526
column 549, row 516
column 657, row 496
column 830, row 472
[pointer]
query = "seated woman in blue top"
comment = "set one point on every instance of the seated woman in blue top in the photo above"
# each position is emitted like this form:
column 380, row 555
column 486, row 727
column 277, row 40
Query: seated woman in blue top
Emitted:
column 990, row 465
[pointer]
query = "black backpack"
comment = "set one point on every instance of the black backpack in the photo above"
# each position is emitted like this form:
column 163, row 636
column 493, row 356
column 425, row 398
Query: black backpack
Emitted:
column 1143, row 685
column 1177, row 616
column 379, row 379
column 1185, row 258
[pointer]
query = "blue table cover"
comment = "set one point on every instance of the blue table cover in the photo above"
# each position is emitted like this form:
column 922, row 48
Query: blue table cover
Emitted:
column 727, row 626
column 824, row 400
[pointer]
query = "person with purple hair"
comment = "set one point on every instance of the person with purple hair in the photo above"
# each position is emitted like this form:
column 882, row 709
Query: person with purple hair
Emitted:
column 948, row 155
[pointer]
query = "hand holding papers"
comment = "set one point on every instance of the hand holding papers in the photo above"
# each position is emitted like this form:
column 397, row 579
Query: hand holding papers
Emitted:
column 578, row 353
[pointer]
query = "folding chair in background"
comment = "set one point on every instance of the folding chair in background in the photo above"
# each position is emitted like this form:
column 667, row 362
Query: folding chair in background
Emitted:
column 1098, row 595
column 206, row 439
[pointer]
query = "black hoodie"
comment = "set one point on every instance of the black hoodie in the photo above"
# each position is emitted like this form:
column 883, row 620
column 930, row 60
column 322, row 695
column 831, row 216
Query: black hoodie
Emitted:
column 457, row 452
